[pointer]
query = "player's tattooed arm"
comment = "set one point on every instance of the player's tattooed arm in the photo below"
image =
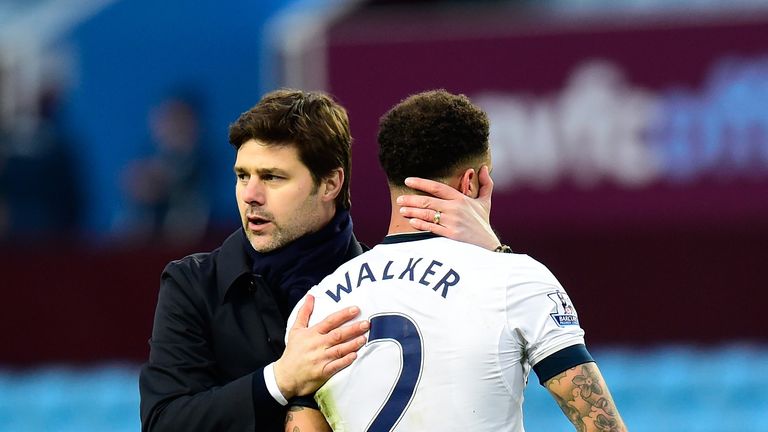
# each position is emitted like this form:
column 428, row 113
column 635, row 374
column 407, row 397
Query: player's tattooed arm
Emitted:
column 584, row 398
column 300, row 419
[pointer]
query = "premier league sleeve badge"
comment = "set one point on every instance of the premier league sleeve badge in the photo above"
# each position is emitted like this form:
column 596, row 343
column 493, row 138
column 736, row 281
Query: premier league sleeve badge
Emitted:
column 565, row 314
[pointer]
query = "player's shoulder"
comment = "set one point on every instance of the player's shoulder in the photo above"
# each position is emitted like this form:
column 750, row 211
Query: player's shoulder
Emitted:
column 515, row 259
column 517, row 266
column 530, row 269
column 527, row 262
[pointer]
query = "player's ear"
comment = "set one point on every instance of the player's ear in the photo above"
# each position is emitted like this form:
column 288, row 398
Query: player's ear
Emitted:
column 330, row 185
column 468, row 183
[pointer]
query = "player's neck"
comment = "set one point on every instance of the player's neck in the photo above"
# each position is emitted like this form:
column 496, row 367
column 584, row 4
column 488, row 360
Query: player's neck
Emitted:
column 398, row 224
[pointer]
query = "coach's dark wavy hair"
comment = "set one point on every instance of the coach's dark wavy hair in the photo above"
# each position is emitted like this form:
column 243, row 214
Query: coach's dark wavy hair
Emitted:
column 313, row 122
column 430, row 134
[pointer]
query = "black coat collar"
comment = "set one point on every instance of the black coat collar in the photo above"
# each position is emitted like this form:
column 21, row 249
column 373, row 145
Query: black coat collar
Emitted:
column 233, row 263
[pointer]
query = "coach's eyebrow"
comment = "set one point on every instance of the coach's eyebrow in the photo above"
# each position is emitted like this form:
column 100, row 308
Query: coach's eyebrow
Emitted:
column 240, row 168
column 272, row 171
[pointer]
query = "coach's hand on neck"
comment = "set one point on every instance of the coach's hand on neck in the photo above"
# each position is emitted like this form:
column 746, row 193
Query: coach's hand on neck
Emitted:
column 462, row 218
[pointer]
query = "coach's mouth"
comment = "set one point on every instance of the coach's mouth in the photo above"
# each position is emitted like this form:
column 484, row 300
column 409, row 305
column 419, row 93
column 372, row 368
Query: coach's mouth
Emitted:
column 257, row 223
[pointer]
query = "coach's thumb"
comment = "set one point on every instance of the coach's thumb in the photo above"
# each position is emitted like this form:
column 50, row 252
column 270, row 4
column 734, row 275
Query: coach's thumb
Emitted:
column 486, row 184
column 302, row 318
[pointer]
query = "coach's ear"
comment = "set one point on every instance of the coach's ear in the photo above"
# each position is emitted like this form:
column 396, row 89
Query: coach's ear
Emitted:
column 468, row 184
column 330, row 185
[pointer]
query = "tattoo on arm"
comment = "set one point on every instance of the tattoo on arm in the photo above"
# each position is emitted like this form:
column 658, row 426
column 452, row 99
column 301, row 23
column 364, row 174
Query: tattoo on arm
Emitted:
column 289, row 415
column 299, row 419
column 585, row 400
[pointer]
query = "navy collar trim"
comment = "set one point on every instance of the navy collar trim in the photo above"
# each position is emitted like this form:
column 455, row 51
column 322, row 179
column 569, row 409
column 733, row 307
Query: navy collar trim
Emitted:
column 407, row 237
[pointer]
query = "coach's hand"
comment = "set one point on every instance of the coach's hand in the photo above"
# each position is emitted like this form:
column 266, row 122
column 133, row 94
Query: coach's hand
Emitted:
column 314, row 354
column 461, row 218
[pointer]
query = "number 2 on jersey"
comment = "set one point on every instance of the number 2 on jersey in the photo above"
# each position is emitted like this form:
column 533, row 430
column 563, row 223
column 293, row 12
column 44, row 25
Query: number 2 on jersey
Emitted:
column 402, row 330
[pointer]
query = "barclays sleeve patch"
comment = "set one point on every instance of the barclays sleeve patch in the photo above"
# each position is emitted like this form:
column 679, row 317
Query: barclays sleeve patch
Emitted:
column 565, row 314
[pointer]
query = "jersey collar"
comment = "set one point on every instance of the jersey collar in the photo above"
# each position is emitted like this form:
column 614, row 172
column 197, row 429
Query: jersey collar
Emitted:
column 407, row 237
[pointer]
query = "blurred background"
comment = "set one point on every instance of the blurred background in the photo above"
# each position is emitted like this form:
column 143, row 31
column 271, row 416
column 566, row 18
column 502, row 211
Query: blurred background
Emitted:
column 630, row 148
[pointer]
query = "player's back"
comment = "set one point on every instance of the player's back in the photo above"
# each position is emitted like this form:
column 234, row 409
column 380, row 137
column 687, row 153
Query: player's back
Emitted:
column 442, row 352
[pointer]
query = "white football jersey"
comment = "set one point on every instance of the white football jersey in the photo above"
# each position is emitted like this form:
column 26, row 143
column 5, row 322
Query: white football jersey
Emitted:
column 455, row 331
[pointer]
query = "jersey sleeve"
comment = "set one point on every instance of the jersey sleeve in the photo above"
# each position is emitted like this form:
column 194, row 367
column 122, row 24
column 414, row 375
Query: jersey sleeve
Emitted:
column 543, row 318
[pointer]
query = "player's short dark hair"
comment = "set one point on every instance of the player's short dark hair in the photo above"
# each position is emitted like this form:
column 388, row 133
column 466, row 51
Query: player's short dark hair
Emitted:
column 313, row 122
column 430, row 134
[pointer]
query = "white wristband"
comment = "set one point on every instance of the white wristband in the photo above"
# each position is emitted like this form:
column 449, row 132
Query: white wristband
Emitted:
column 271, row 382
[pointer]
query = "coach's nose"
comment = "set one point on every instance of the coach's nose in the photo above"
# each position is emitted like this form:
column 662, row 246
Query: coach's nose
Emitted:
column 254, row 192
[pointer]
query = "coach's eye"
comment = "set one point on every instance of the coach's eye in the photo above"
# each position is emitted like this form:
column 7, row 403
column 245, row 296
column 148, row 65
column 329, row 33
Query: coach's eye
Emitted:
column 271, row 177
